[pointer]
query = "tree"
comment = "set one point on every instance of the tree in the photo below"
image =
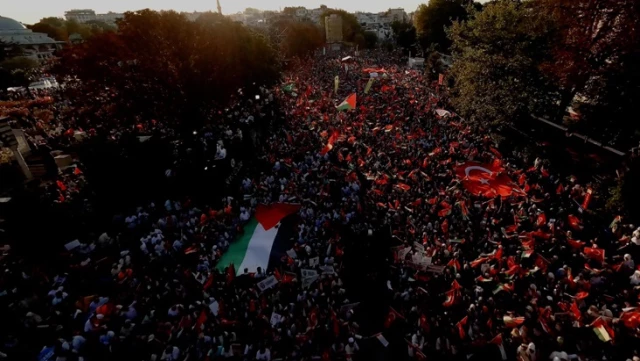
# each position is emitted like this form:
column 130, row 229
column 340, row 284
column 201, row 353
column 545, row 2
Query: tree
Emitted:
column 159, row 65
column 595, row 62
column 298, row 39
column 56, row 33
column 404, row 35
column 15, row 70
column 370, row 39
column 431, row 20
column 497, row 57
column 350, row 25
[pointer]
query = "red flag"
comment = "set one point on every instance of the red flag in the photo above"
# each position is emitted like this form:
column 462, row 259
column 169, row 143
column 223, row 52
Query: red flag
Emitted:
column 631, row 319
column 445, row 226
column 575, row 311
column 201, row 320
column 574, row 222
column 391, row 317
column 461, row 325
column 587, row 199
column 542, row 220
column 231, row 273
column 486, row 179
column 61, row 186
column 77, row 171
column 496, row 340
column 269, row 216
column 332, row 139
column 581, row 295
column 594, row 253
column 209, row 282
column 450, row 299
column 455, row 264
column 478, row 262
column 575, row 244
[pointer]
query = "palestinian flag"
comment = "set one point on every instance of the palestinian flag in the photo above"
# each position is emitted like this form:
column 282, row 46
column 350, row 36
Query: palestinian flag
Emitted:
column 602, row 330
column 503, row 287
column 349, row 103
column 262, row 239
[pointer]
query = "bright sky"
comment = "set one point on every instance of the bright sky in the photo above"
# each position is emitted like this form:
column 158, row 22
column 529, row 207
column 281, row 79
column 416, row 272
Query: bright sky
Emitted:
column 30, row 12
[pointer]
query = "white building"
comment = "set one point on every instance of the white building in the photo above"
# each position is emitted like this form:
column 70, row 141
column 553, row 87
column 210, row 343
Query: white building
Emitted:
column 397, row 15
column 85, row 15
column 110, row 17
column 37, row 46
column 80, row 15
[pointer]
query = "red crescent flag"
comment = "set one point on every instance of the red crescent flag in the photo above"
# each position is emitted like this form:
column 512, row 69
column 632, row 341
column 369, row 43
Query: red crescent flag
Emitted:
column 487, row 180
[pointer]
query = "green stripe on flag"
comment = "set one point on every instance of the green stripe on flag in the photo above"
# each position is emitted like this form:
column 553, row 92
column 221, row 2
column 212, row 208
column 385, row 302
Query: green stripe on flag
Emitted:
column 238, row 249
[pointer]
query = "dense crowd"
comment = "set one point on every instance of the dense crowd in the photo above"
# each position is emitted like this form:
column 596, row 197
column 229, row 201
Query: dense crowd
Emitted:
column 511, row 266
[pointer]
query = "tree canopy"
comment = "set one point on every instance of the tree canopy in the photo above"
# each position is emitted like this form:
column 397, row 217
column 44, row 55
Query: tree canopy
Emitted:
column 404, row 35
column 296, row 38
column 497, row 56
column 60, row 29
column 595, row 57
column 430, row 21
column 159, row 65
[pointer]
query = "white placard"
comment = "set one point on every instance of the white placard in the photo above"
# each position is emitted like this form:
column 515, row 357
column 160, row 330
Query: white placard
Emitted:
column 267, row 283
column 306, row 273
column 314, row 261
column 276, row 319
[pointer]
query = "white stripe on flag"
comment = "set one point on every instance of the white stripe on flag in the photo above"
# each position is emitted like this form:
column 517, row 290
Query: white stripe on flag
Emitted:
column 259, row 249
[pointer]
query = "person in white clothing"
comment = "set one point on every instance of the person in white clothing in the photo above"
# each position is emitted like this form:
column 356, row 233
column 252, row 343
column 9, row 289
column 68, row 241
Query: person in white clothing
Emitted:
column 263, row 354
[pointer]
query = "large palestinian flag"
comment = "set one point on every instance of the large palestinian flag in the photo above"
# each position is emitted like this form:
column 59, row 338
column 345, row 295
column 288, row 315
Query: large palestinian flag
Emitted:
column 267, row 235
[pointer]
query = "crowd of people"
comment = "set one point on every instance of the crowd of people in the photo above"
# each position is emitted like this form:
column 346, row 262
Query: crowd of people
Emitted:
column 490, row 256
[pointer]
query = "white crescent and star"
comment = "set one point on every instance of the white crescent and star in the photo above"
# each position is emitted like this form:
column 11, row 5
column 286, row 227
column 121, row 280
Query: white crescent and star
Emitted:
column 468, row 170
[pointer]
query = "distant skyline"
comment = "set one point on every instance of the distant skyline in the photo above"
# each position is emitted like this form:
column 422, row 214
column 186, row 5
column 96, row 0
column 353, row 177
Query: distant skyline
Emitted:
column 32, row 11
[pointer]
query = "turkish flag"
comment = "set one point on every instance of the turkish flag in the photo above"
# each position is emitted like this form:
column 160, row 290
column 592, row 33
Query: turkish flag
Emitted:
column 487, row 179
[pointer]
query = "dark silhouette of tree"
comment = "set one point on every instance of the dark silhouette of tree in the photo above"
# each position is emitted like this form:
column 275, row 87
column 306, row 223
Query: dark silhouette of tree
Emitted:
column 404, row 35
column 159, row 65
column 498, row 53
column 430, row 21
column 596, row 54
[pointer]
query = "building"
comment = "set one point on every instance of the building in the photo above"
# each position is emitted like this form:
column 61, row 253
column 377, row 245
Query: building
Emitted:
column 109, row 18
column 80, row 15
column 333, row 28
column 36, row 46
column 86, row 15
column 397, row 15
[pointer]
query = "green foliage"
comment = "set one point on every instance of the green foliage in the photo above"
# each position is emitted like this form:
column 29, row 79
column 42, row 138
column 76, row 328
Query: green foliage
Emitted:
column 370, row 40
column 60, row 29
column 497, row 56
column 431, row 20
column 296, row 38
column 404, row 35
column 596, row 65
column 15, row 70
column 350, row 25
column 159, row 65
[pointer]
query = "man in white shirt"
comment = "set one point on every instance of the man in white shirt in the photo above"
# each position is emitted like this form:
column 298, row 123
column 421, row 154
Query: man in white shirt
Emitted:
column 263, row 354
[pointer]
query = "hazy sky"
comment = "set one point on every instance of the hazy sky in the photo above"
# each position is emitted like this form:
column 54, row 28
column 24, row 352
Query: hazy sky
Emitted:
column 31, row 11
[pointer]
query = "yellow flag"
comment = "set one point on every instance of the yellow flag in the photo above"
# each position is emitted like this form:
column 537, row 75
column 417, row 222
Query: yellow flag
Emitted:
column 368, row 87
